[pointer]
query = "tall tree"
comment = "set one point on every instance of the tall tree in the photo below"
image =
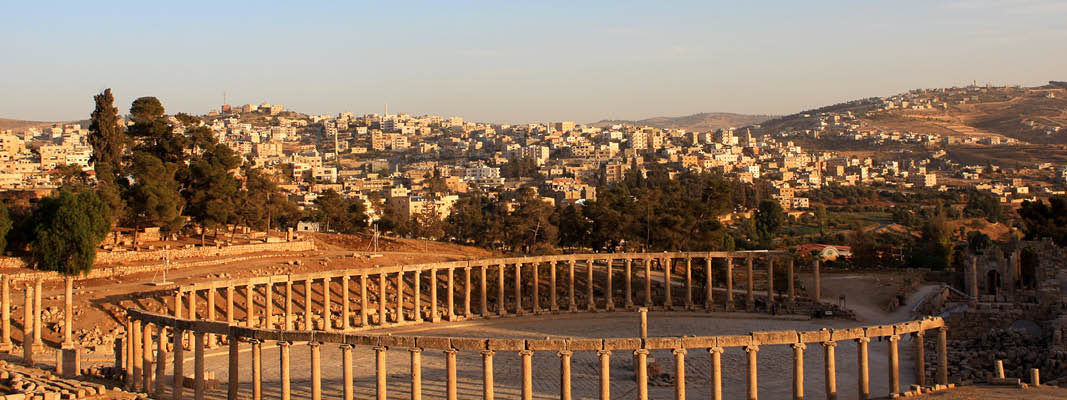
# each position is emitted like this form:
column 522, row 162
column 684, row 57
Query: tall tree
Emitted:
column 153, row 194
column 67, row 229
column 769, row 220
column 210, row 188
column 108, row 142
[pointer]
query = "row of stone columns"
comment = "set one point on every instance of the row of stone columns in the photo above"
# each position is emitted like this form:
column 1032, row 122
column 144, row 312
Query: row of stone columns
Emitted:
column 33, row 307
column 531, row 279
column 140, row 374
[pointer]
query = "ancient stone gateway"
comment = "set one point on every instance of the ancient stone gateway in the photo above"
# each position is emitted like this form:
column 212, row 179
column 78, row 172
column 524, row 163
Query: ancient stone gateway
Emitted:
column 338, row 308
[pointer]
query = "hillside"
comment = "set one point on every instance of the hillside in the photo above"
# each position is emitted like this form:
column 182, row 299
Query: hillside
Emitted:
column 695, row 122
column 19, row 125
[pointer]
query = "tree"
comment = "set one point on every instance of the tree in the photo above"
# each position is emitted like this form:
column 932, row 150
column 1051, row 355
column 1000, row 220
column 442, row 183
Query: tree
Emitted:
column 530, row 226
column 339, row 214
column 1040, row 219
column 5, row 226
column 210, row 189
column 108, row 142
column 981, row 204
column 153, row 194
column 769, row 220
column 977, row 242
column 67, row 229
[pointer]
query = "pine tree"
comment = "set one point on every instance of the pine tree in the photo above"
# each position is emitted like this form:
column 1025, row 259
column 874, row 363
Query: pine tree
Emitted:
column 108, row 142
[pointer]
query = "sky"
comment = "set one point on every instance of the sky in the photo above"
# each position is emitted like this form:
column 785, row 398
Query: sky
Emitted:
column 515, row 61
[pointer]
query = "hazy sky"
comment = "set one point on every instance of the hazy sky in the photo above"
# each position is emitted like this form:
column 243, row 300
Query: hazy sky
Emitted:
column 515, row 61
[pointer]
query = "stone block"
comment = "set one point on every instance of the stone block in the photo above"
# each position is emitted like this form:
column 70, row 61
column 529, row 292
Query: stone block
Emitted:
column 775, row 337
column 622, row 343
column 735, row 340
column 507, row 344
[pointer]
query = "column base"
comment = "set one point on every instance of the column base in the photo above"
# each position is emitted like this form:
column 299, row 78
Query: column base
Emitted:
column 6, row 346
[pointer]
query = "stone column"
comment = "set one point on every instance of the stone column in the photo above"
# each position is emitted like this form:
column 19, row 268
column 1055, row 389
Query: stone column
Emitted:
column 572, row 306
column 38, row 309
column 920, row 359
column 648, row 281
column 229, row 305
column 346, row 371
column 709, row 298
column 363, row 304
column 316, row 370
column 679, row 374
column 400, row 297
column 770, row 280
column 5, row 313
column 68, row 312
column 27, row 329
column 147, row 361
column 605, row 374
column 565, row 374
column 178, row 303
column 487, row 375
column 972, row 272
column 138, row 356
column 451, row 296
column 942, row 355
column 750, row 295
column 609, row 291
column 178, row 383
column 641, row 358
column 862, row 374
column 527, row 374
column 381, row 299
column 309, row 316
column 753, row 387
column 161, row 360
column 791, row 284
column 894, row 366
column 552, row 294
column 285, row 375
column 450, row 374
column 729, row 283
column 590, row 298
column 688, row 283
column 434, row 317
column 346, row 311
column 831, row 369
column 250, row 305
column 483, row 290
column 192, row 305
column 535, row 295
column 518, row 289
column 198, row 368
column 327, row 310
column 716, row 372
column 798, row 371
column 501, row 309
column 416, row 303
column 416, row 373
column 628, row 285
column 467, row 292
column 380, row 373
column 818, row 279
column 232, row 372
column 210, row 315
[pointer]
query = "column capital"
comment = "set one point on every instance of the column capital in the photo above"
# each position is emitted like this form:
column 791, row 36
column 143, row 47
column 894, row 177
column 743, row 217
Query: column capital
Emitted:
column 641, row 351
column 252, row 341
column 488, row 353
column 564, row 353
column 313, row 343
column 285, row 343
column 863, row 340
column 715, row 350
column 526, row 352
column 941, row 329
column 679, row 351
column 380, row 348
column 450, row 351
column 751, row 348
column 919, row 333
column 893, row 338
column 799, row 346
column 415, row 350
column 346, row 346
column 829, row 344
column 603, row 352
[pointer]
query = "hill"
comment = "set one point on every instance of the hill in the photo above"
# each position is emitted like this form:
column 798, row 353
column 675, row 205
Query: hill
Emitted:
column 19, row 125
column 697, row 122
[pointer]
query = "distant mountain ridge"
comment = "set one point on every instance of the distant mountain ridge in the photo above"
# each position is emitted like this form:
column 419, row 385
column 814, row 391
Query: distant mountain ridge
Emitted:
column 705, row 121
column 20, row 125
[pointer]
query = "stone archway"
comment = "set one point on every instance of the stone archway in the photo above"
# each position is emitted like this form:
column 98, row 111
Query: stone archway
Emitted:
column 993, row 282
